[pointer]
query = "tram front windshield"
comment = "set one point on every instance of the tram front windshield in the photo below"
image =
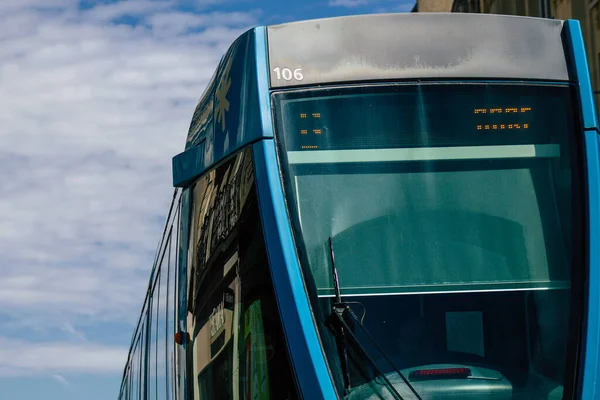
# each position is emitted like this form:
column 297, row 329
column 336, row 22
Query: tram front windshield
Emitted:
column 452, row 212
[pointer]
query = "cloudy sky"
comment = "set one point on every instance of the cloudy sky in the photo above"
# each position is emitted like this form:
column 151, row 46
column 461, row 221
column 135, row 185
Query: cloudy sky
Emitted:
column 95, row 99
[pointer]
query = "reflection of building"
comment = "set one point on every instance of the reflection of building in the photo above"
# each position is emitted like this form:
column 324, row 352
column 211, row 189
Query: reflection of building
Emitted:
column 586, row 11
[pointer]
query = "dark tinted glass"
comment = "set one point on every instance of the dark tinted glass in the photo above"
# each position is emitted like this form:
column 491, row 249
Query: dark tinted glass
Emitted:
column 237, row 348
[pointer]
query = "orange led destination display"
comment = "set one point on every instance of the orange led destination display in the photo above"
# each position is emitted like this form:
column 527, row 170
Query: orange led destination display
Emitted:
column 488, row 119
column 308, row 127
column 422, row 115
column 502, row 118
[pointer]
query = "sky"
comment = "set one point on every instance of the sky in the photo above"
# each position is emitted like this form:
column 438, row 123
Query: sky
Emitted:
column 95, row 99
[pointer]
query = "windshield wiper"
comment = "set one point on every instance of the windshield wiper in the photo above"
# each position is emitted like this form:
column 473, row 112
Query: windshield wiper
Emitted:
column 340, row 309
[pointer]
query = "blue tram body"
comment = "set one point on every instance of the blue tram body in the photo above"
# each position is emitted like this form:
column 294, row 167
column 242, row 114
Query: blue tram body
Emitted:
column 383, row 206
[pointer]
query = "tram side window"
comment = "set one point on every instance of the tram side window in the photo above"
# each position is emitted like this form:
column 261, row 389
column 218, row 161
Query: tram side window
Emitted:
column 237, row 348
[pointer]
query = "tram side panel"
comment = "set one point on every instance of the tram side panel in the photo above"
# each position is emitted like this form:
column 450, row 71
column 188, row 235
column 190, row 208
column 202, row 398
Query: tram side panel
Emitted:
column 226, row 305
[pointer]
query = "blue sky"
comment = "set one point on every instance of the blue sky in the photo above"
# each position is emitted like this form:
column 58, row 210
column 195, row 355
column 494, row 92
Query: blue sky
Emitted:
column 95, row 99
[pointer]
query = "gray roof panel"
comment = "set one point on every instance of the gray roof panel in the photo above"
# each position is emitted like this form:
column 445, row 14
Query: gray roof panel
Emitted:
column 413, row 46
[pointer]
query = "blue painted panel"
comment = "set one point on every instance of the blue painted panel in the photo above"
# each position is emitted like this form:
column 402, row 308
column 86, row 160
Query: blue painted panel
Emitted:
column 184, row 237
column 229, row 96
column 230, row 118
column 305, row 349
column 187, row 164
column 591, row 373
column 262, row 77
column 578, row 66
column 591, row 336
column 202, row 120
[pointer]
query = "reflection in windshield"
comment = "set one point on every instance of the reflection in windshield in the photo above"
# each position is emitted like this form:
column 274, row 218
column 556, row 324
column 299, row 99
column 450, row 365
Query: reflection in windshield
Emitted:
column 440, row 337
column 341, row 310
column 454, row 232
column 434, row 219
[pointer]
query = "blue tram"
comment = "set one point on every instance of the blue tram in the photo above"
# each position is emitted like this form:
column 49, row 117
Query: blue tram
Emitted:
column 399, row 206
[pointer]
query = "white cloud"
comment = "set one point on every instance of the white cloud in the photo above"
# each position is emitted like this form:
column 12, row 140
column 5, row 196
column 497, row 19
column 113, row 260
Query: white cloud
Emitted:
column 19, row 358
column 73, row 332
column 348, row 3
column 132, row 8
column 91, row 113
column 175, row 23
column 61, row 379
column 37, row 4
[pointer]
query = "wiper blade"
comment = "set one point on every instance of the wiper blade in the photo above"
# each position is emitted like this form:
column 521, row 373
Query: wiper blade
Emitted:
column 344, row 327
column 412, row 389
column 336, row 282
column 339, row 310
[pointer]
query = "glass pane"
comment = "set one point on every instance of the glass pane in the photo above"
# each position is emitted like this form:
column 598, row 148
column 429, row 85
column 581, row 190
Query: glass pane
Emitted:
column 238, row 347
column 151, row 378
column 465, row 186
column 467, row 239
column 450, row 211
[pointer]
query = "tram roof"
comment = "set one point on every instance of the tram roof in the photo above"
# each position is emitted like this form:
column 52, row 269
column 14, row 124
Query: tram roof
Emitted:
column 418, row 46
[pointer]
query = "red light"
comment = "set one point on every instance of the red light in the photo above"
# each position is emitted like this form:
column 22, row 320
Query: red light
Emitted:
column 181, row 338
column 440, row 373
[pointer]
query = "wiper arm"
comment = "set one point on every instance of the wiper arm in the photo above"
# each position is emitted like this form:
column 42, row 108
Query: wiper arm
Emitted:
column 412, row 389
column 339, row 309
column 336, row 282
